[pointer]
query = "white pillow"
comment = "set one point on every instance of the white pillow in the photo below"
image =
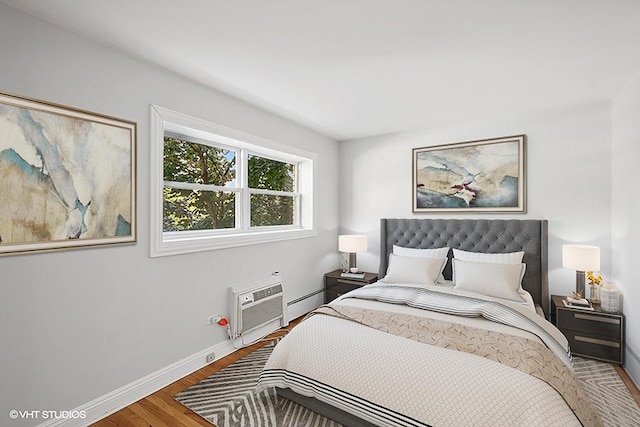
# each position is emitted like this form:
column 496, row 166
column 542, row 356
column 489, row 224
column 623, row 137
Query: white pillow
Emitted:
column 506, row 258
column 493, row 258
column 424, row 253
column 421, row 253
column 491, row 279
column 413, row 270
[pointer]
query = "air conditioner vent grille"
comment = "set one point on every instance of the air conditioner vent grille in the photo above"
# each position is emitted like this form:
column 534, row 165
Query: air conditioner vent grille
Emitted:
column 256, row 305
column 264, row 293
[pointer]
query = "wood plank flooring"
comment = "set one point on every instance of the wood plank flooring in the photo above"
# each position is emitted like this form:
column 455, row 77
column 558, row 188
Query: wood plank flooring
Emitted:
column 629, row 383
column 160, row 409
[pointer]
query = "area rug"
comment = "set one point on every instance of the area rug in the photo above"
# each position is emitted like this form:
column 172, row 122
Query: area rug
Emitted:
column 609, row 394
column 228, row 397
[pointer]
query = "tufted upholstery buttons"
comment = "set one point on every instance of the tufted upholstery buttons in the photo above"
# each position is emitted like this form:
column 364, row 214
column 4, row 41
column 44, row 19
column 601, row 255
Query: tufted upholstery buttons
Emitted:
column 476, row 235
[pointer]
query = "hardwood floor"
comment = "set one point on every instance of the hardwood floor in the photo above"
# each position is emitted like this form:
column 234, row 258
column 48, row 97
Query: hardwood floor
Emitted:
column 629, row 383
column 160, row 409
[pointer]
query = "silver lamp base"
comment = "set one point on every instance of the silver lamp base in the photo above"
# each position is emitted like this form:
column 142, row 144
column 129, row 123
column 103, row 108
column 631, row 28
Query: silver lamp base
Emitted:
column 580, row 280
column 352, row 262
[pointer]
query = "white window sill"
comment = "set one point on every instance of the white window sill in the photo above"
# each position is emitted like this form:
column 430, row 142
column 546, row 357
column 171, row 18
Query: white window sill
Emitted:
column 184, row 245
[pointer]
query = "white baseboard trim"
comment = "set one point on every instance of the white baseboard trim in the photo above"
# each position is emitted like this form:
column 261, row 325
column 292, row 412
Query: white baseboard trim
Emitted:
column 122, row 397
column 632, row 365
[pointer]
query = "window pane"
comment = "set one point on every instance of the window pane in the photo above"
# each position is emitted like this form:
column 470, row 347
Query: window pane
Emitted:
column 270, row 174
column 271, row 210
column 186, row 161
column 198, row 210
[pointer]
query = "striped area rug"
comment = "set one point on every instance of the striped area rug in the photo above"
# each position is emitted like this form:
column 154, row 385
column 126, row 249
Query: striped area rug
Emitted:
column 228, row 398
column 609, row 394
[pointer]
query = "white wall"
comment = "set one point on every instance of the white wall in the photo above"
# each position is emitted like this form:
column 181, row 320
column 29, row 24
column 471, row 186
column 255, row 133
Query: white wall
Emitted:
column 625, row 210
column 568, row 180
column 79, row 324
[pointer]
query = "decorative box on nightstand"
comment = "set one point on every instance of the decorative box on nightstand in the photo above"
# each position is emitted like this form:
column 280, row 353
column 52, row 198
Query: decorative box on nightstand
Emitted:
column 336, row 285
column 594, row 334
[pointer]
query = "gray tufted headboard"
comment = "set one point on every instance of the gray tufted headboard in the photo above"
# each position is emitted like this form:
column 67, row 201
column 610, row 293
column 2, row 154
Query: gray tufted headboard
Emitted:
column 476, row 235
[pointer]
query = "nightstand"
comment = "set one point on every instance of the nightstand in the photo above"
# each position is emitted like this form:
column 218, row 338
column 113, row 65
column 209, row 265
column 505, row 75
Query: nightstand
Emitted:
column 335, row 285
column 593, row 334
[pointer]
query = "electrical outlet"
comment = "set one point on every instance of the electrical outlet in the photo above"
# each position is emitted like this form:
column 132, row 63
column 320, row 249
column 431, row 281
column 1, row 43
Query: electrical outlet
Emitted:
column 213, row 319
column 211, row 357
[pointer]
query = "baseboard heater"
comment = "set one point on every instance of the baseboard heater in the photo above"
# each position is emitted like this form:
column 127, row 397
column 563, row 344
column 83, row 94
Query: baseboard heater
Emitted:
column 255, row 305
column 304, row 297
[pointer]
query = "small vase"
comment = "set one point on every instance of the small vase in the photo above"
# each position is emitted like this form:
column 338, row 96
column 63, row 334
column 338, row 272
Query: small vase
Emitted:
column 594, row 294
column 610, row 302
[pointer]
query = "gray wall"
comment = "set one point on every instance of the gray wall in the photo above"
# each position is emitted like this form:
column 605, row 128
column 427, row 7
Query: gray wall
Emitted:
column 625, row 210
column 78, row 324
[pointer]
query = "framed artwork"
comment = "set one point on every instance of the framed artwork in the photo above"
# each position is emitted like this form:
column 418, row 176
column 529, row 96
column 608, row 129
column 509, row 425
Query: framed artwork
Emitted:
column 67, row 177
column 476, row 176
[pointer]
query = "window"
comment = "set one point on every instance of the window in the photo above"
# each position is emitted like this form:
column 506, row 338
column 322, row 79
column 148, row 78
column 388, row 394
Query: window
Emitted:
column 215, row 187
column 199, row 186
column 272, row 186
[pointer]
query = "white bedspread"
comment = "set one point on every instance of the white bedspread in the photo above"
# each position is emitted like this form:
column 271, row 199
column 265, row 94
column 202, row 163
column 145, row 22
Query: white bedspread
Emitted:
column 394, row 381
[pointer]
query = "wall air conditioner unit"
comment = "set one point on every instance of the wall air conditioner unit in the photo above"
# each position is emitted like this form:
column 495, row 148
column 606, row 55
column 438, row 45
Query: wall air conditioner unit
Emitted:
column 256, row 305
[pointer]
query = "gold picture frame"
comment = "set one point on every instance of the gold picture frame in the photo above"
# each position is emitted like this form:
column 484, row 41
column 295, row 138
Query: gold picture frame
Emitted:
column 486, row 175
column 67, row 177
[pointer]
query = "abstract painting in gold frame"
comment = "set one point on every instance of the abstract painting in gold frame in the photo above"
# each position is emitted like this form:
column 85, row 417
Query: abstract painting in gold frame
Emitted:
column 67, row 177
column 476, row 176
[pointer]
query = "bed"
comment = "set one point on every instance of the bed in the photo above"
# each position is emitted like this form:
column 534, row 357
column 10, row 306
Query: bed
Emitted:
column 419, row 348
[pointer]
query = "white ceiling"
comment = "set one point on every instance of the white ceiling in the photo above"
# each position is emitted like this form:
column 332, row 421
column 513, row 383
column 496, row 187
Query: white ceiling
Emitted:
column 356, row 68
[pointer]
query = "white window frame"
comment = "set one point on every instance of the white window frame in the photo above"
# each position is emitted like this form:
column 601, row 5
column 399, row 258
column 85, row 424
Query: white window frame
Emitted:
column 172, row 243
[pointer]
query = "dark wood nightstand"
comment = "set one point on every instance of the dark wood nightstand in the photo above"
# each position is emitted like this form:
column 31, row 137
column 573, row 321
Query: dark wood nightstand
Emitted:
column 594, row 334
column 335, row 285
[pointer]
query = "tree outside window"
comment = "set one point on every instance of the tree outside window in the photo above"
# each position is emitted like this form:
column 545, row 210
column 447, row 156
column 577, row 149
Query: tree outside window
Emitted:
column 201, row 188
column 278, row 206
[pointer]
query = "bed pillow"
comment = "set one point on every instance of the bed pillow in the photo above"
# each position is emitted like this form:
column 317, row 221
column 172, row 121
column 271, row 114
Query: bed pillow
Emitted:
column 491, row 258
column 421, row 253
column 491, row 279
column 425, row 253
column 413, row 270
column 505, row 258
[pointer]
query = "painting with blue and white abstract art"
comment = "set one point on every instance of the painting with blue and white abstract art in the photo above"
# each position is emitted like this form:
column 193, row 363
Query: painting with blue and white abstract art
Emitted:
column 67, row 177
column 482, row 176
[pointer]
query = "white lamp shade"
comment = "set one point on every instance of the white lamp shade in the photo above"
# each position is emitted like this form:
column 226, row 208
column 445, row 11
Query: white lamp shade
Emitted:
column 581, row 257
column 352, row 243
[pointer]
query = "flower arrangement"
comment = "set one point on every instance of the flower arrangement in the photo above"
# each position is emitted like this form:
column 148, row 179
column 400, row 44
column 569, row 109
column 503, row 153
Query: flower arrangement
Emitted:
column 594, row 280
column 594, row 286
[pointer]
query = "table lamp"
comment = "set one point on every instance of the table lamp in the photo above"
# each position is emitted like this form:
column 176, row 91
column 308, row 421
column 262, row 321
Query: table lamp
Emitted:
column 581, row 258
column 352, row 244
